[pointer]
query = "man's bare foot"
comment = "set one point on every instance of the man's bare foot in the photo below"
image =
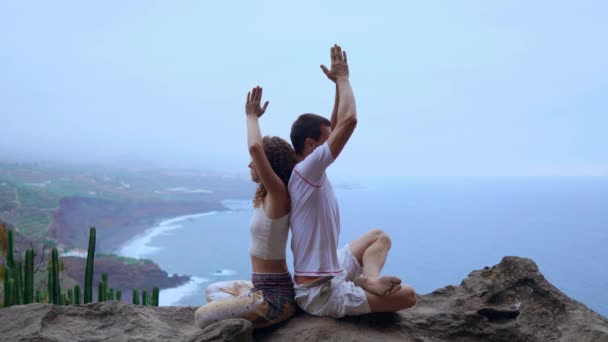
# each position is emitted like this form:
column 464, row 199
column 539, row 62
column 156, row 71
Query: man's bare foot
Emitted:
column 380, row 286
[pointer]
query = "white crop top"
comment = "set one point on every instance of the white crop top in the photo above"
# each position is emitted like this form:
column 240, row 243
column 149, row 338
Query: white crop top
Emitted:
column 268, row 237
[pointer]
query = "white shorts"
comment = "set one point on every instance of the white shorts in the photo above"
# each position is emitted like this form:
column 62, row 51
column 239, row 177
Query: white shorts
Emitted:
column 335, row 296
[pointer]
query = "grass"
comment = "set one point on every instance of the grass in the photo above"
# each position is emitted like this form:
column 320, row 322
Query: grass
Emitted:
column 127, row 260
column 29, row 196
column 35, row 224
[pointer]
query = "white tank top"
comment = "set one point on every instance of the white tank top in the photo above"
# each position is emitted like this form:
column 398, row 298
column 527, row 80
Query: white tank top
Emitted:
column 268, row 237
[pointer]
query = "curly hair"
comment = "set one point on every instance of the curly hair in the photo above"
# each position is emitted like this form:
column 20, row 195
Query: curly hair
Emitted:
column 282, row 159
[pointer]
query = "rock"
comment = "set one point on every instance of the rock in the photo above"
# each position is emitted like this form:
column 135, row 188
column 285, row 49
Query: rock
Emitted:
column 511, row 301
column 108, row 321
column 233, row 330
column 124, row 276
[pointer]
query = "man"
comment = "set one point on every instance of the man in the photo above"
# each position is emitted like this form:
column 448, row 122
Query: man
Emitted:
column 331, row 282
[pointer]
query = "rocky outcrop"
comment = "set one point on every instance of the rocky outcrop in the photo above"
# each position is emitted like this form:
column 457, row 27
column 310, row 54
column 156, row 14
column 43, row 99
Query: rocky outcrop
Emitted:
column 123, row 274
column 511, row 301
column 112, row 321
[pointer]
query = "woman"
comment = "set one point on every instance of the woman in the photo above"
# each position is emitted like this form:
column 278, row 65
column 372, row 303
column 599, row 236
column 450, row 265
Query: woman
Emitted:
column 269, row 297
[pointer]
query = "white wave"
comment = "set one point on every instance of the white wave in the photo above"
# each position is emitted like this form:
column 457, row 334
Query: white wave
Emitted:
column 190, row 191
column 139, row 246
column 238, row 204
column 223, row 272
column 79, row 253
column 172, row 296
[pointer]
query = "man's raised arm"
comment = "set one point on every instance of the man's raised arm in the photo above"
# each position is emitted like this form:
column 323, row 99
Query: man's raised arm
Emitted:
column 344, row 116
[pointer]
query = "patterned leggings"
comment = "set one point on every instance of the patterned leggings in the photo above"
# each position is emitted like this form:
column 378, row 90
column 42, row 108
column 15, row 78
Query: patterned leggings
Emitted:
column 266, row 300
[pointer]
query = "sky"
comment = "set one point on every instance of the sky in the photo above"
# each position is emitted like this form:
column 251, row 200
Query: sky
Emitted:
column 443, row 88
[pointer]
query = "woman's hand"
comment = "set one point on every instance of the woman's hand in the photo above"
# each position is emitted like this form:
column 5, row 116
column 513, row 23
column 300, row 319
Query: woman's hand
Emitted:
column 252, row 107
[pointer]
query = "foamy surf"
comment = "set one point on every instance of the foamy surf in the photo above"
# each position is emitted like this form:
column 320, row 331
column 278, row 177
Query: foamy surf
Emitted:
column 172, row 296
column 223, row 272
column 139, row 246
column 79, row 253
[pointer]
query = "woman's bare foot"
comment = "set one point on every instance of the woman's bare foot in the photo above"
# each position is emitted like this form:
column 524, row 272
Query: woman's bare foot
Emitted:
column 380, row 286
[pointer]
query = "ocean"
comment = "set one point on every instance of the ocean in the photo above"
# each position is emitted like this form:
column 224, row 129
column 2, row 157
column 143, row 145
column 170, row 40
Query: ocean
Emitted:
column 441, row 229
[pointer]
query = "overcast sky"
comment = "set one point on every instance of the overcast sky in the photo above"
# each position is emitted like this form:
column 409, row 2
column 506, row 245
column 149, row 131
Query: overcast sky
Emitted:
column 442, row 87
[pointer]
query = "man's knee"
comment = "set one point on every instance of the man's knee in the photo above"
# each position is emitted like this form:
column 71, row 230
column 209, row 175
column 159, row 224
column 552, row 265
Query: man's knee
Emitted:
column 381, row 236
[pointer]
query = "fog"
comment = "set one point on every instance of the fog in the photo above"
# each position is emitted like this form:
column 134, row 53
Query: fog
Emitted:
column 471, row 88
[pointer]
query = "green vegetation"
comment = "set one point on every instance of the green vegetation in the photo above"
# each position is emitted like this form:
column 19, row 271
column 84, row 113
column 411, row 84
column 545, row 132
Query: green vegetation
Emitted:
column 127, row 260
column 36, row 224
column 77, row 294
column 144, row 297
column 28, row 207
column 155, row 294
column 28, row 294
column 135, row 297
column 37, row 197
column 18, row 279
column 55, row 289
column 88, row 277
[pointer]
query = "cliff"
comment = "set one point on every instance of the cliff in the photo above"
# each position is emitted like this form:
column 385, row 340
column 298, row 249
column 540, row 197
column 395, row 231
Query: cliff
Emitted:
column 511, row 301
column 116, row 221
column 123, row 274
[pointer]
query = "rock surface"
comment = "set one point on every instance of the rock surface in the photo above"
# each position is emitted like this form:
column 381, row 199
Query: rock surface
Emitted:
column 511, row 301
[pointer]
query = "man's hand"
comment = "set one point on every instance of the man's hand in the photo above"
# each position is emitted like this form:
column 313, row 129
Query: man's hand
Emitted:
column 339, row 64
column 252, row 106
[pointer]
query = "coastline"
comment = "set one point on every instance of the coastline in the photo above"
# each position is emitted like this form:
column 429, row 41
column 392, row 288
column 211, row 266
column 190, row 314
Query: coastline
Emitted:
column 123, row 230
column 139, row 247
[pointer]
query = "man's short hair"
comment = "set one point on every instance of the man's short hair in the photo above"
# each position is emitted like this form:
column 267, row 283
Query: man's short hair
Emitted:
column 306, row 126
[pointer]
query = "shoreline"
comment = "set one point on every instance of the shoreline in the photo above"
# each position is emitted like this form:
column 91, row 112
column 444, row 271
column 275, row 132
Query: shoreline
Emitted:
column 138, row 247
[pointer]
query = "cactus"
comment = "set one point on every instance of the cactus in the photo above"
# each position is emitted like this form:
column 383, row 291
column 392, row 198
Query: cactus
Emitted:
column 77, row 294
column 104, row 280
column 144, row 297
column 37, row 297
column 49, row 282
column 10, row 290
column 111, row 294
column 18, row 283
column 100, row 292
column 28, row 282
column 88, row 278
column 155, row 294
column 135, row 297
column 10, row 260
column 28, row 275
column 70, row 296
column 118, row 295
column 5, row 282
column 8, row 274
column 56, row 287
